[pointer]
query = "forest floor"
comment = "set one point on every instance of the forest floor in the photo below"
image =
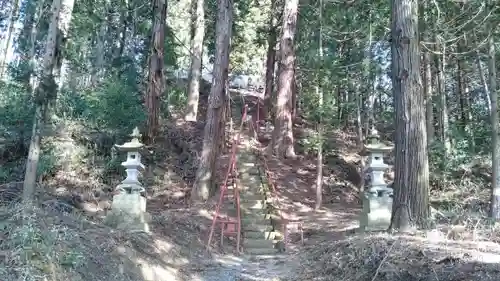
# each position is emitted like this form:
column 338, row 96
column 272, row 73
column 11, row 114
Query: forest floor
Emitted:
column 51, row 245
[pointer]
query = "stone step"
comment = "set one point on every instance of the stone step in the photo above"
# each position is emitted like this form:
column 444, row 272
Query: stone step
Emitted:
column 249, row 220
column 266, row 187
column 241, row 188
column 268, row 235
column 247, row 157
column 249, row 196
column 258, row 243
column 274, row 256
column 253, row 204
column 262, row 216
column 260, row 251
column 244, row 212
column 249, row 188
column 255, row 184
column 252, row 198
column 257, row 227
column 250, row 168
column 248, row 178
column 249, row 174
column 274, row 216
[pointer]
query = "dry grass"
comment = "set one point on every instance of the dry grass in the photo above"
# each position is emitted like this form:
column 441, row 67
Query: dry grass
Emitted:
column 386, row 257
column 463, row 245
column 50, row 245
column 45, row 245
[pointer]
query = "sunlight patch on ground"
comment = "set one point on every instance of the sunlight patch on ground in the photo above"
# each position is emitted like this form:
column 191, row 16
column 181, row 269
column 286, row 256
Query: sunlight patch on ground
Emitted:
column 154, row 272
column 204, row 213
column 163, row 246
column 436, row 244
column 229, row 260
column 302, row 208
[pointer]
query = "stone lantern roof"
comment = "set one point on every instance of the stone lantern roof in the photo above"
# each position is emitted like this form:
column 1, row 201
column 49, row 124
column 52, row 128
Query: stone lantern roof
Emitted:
column 134, row 144
column 375, row 145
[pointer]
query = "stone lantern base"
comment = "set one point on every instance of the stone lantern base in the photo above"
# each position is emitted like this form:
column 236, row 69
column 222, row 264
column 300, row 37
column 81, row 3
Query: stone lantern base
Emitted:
column 128, row 211
column 376, row 214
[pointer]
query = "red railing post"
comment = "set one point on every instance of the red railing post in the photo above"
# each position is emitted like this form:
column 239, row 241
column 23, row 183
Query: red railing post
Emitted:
column 258, row 115
column 231, row 168
column 275, row 198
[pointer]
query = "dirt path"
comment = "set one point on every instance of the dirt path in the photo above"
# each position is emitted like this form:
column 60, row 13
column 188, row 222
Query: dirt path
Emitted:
column 294, row 181
column 244, row 268
column 325, row 252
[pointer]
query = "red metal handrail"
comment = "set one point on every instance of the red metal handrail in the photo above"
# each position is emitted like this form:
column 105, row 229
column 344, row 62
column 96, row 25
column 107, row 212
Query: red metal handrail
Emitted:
column 275, row 197
column 230, row 170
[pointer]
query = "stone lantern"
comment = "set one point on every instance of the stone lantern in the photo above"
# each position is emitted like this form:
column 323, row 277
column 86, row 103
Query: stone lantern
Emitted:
column 377, row 199
column 128, row 209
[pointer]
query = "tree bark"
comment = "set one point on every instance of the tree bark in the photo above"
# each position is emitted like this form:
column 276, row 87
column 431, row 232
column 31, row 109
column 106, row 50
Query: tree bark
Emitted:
column 28, row 43
column 411, row 183
column 97, row 71
column 495, row 185
column 156, row 80
column 369, row 93
column 319, row 90
column 204, row 184
column 270, row 60
column 61, row 12
column 14, row 14
column 487, row 96
column 282, row 141
column 443, row 124
column 196, row 61
column 426, row 21
column 464, row 94
column 428, row 97
column 122, row 33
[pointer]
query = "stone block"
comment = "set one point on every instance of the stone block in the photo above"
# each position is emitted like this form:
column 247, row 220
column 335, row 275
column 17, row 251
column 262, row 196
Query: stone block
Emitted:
column 376, row 214
column 258, row 243
column 271, row 235
column 128, row 211
column 257, row 228
column 253, row 204
column 260, row 251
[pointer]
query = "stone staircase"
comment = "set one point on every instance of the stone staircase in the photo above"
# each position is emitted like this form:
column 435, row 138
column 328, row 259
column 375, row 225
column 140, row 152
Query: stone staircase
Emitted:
column 259, row 234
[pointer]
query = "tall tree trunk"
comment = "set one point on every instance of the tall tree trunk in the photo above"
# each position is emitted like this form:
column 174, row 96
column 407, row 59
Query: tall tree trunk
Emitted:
column 426, row 23
column 14, row 14
column 319, row 90
column 495, row 184
column 429, row 110
column 270, row 60
column 368, row 94
column 461, row 88
column 443, row 108
column 361, row 106
column 282, row 141
column 295, row 89
column 411, row 183
column 156, row 80
column 98, row 67
column 27, row 43
column 340, row 103
column 464, row 94
column 46, row 92
column 349, row 98
column 196, row 58
column 486, row 89
column 122, row 34
column 204, row 183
